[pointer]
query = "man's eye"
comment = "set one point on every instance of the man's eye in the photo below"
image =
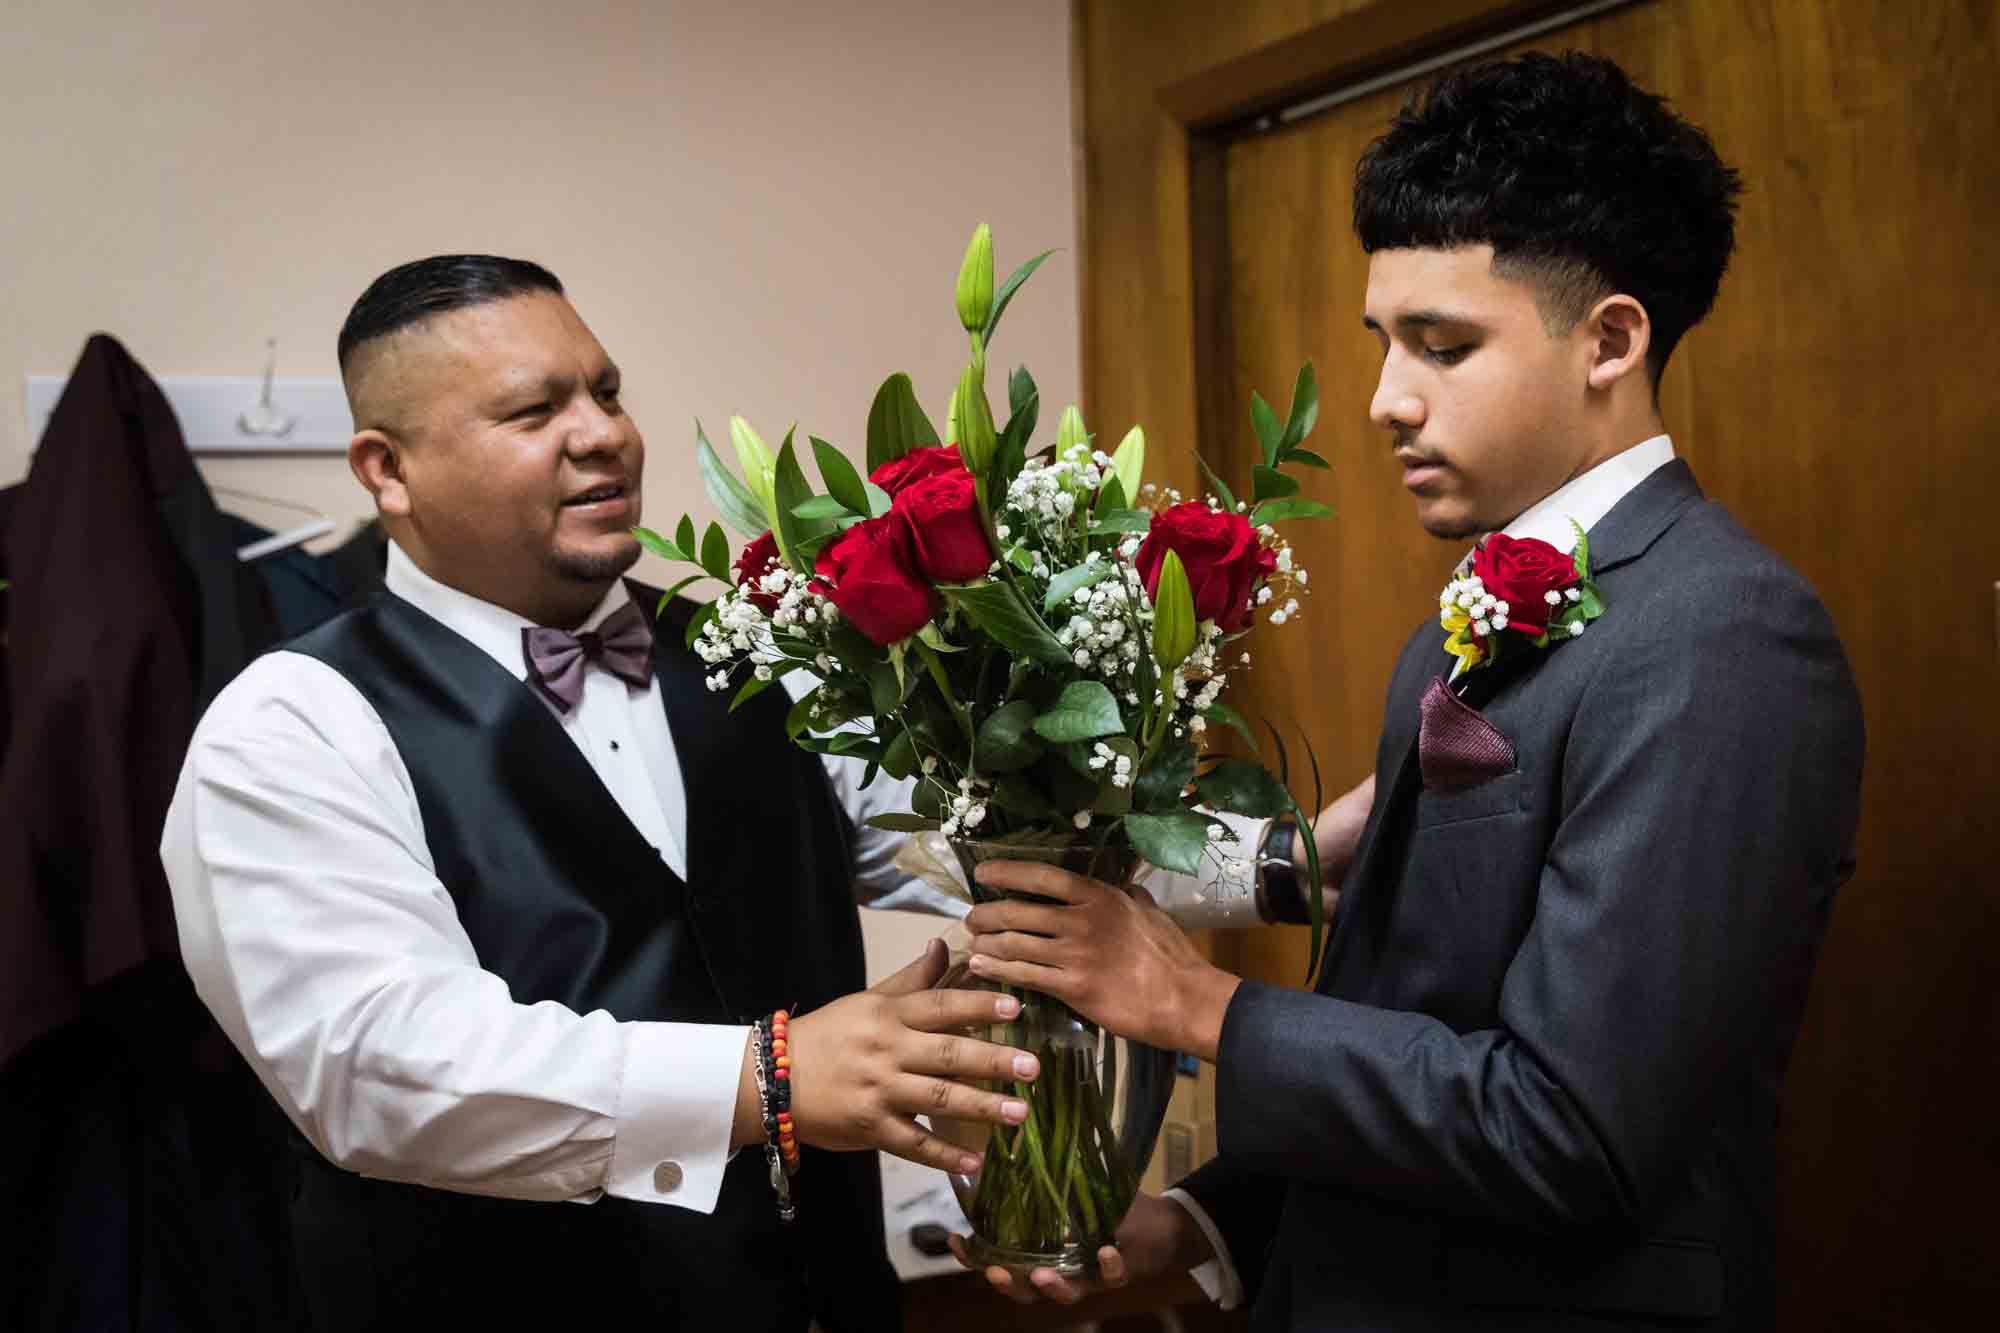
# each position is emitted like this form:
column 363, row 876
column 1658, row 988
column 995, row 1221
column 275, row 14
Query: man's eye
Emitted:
column 608, row 395
column 1448, row 356
column 529, row 412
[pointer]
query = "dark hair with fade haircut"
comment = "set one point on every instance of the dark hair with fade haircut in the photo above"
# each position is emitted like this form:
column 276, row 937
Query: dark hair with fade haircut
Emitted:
column 423, row 288
column 1582, row 182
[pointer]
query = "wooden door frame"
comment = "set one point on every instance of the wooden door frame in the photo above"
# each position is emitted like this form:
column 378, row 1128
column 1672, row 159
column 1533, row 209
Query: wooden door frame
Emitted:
column 1222, row 103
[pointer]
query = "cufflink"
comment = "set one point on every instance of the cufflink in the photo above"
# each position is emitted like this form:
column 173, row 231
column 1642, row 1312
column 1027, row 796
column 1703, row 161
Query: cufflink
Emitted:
column 667, row 1177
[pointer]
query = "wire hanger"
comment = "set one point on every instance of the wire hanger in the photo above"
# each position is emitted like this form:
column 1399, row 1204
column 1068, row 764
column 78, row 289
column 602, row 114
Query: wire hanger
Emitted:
column 319, row 525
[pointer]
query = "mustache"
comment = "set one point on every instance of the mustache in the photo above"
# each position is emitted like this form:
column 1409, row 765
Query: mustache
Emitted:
column 1404, row 446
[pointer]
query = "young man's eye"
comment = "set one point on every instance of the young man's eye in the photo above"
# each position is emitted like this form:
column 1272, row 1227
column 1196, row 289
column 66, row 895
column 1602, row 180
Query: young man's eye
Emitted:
column 1448, row 356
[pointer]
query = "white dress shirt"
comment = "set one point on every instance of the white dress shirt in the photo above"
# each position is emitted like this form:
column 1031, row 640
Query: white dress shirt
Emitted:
column 1585, row 499
column 316, row 930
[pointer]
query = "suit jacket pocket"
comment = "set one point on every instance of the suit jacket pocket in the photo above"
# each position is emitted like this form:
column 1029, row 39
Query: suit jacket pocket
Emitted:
column 1661, row 1277
column 1495, row 796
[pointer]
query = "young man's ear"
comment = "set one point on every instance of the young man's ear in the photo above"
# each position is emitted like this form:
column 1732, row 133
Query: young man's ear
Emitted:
column 376, row 459
column 1620, row 332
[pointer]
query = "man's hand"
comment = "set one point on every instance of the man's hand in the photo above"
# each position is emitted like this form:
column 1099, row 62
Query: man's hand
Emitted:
column 1114, row 957
column 865, row 1065
column 1156, row 1238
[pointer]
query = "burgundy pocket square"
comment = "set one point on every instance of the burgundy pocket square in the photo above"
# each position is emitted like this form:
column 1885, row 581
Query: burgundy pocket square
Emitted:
column 1456, row 745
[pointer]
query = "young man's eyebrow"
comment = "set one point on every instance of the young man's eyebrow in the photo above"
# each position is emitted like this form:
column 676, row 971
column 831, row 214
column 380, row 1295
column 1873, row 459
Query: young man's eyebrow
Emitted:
column 1412, row 321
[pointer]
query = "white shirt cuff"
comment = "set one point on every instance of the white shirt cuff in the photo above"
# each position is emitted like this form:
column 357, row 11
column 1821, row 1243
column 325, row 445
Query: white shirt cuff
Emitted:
column 1223, row 895
column 676, row 1112
column 1217, row 1278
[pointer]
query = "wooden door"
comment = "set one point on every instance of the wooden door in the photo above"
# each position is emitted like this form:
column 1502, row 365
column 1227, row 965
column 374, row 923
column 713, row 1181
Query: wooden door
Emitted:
column 1838, row 403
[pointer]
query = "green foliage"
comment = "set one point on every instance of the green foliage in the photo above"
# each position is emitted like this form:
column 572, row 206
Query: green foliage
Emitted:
column 1083, row 711
column 896, row 422
column 1170, row 841
column 731, row 498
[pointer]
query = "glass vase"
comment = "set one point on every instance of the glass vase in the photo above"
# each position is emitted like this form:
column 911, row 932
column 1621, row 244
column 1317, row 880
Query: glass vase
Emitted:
column 1052, row 1190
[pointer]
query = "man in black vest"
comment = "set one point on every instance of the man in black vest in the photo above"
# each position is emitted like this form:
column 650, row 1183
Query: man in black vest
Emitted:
column 1537, row 1087
column 488, row 887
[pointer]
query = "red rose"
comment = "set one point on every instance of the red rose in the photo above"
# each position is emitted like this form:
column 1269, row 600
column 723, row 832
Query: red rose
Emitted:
column 874, row 580
column 947, row 537
column 751, row 566
column 1522, row 573
column 1220, row 552
column 915, row 466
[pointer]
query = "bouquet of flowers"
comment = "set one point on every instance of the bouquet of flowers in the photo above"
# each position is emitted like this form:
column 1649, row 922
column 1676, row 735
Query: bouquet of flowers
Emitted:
column 1035, row 634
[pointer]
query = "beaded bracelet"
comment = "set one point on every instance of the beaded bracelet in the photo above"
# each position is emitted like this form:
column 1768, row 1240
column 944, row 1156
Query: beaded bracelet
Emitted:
column 763, row 1067
column 781, row 1089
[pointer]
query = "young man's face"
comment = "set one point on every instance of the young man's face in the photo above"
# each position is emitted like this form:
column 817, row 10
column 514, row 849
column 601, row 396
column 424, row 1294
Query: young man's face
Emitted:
column 522, row 466
column 1480, row 401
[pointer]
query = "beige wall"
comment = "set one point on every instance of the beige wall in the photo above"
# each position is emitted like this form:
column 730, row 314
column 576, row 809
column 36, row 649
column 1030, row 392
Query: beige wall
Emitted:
column 760, row 207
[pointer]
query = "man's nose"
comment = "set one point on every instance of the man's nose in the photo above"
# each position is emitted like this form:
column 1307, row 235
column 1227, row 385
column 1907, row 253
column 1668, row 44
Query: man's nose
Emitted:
column 1394, row 407
column 593, row 430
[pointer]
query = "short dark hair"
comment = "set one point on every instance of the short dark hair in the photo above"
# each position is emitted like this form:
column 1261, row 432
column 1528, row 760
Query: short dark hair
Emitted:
column 1582, row 182
column 413, row 292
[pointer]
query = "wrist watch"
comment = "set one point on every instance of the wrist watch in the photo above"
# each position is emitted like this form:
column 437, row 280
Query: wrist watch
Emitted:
column 1280, row 896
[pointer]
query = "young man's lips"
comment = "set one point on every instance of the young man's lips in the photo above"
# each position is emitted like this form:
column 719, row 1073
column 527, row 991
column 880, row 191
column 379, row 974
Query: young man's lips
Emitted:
column 1417, row 475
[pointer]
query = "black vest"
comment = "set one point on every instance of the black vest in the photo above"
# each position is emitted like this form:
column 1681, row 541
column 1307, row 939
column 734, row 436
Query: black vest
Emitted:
column 566, row 901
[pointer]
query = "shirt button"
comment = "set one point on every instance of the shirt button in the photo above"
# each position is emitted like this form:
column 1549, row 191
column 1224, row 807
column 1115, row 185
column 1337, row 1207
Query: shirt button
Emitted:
column 667, row 1177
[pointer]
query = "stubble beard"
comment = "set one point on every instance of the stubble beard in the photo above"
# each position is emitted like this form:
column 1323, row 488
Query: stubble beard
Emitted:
column 594, row 567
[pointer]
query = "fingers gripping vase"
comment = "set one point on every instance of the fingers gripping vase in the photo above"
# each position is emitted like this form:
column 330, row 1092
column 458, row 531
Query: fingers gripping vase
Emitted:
column 1053, row 1189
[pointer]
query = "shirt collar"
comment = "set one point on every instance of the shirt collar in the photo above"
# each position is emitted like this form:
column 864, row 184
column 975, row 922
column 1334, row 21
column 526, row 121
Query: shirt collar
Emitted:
column 492, row 628
column 1588, row 498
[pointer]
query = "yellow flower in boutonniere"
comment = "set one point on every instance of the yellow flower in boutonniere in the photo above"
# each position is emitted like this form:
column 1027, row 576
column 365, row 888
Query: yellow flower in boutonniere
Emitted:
column 1460, row 641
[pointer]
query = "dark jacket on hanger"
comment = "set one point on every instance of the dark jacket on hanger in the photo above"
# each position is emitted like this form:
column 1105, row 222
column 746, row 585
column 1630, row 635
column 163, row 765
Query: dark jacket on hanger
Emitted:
column 126, row 1152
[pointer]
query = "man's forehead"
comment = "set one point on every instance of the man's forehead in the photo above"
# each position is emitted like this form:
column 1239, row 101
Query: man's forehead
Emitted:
column 1422, row 284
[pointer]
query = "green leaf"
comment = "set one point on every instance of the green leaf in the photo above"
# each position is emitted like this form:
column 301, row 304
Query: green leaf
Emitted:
column 1066, row 584
column 896, row 422
column 1110, row 497
column 892, row 823
column 1580, row 559
column 1123, row 520
column 1021, row 392
column 1083, row 711
column 1242, row 786
column 1222, row 491
column 752, row 688
column 800, row 718
column 731, row 498
column 1232, row 719
column 1018, row 795
column 1006, row 293
column 1290, row 506
column 789, row 490
column 1005, row 742
column 843, row 483
column 1305, row 407
column 1588, row 601
column 822, row 507
column 1269, row 433
column 1171, row 841
column 933, row 638
column 715, row 552
column 1163, row 780
column 1306, row 456
column 885, row 687
column 1173, row 615
column 1010, row 455
column 999, row 611
column 1111, row 798
column 899, row 756
column 1129, row 462
column 1267, row 483
column 668, row 595
column 684, row 536
column 652, row 541
column 697, row 621
column 878, row 499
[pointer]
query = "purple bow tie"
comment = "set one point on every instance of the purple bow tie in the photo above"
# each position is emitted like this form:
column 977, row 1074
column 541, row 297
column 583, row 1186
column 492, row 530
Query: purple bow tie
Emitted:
column 622, row 645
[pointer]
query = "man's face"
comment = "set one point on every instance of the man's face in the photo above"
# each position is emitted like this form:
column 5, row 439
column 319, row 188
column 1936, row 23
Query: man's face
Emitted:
column 1480, row 401
column 522, row 468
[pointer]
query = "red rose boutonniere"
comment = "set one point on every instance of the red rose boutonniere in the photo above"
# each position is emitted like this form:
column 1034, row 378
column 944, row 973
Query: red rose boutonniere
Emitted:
column 1513, row 592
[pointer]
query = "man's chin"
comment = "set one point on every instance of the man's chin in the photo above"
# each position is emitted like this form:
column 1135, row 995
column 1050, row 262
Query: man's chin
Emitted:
column 1447, row 523
column 597, row 565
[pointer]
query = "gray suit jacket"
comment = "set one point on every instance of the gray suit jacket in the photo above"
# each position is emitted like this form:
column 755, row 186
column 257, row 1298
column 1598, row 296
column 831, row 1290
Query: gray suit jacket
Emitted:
column 1539, row 1082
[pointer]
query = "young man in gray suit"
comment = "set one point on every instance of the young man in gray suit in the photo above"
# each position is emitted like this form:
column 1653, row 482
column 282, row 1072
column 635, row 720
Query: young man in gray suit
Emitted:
column 1537, row 1085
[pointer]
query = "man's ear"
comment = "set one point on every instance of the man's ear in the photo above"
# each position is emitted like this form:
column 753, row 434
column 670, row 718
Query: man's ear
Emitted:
column 1619, row 333
column 376, row 459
